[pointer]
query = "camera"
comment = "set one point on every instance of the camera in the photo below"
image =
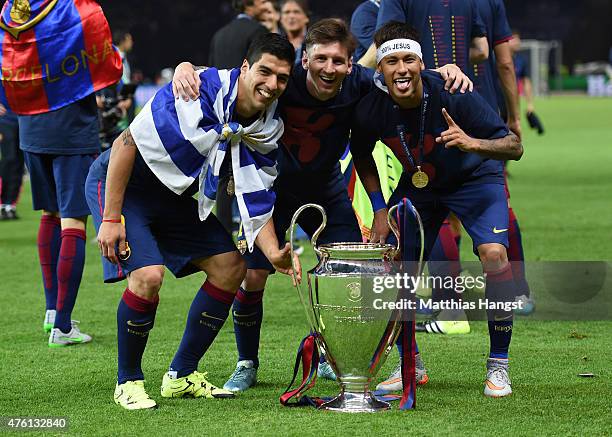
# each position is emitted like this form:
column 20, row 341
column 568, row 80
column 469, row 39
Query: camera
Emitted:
column 110, row 114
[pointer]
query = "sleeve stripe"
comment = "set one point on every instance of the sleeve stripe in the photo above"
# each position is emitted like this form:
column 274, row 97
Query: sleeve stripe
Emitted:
column 503, row 40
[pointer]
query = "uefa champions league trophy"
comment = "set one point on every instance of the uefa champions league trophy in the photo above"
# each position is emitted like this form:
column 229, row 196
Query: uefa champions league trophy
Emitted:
column 355, row 337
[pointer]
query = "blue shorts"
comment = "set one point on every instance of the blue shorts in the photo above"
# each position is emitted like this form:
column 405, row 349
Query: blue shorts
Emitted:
column 162, row 228
column 325, row 189
column 58, row 182
column 482, row 209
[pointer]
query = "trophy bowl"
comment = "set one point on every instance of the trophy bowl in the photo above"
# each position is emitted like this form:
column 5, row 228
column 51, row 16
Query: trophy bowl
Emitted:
column 355, row 337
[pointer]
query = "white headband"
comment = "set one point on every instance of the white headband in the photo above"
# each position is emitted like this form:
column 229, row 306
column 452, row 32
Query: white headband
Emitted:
column 398, row 45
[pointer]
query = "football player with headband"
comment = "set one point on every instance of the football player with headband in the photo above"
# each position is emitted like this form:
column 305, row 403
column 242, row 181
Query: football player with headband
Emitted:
column 449, row 145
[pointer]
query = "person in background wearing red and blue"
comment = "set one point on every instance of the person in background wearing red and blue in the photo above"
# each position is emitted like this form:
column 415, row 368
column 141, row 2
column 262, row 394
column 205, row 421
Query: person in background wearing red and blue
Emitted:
column 11, row 165
column 58, row 133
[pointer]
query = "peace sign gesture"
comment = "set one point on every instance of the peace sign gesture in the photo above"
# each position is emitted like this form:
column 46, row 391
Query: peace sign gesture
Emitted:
column 455, row 137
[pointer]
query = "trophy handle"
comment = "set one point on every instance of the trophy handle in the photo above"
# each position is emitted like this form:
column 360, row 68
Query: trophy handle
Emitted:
column 422, row 235
column 306, row 299
column 395, row 230
column 315, row 236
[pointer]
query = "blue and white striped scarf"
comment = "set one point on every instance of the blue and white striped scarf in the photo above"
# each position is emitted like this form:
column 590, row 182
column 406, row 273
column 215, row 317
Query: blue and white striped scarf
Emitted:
column 181, row 141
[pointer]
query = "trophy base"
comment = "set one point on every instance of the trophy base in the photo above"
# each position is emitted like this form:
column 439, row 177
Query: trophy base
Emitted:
column 348, row 402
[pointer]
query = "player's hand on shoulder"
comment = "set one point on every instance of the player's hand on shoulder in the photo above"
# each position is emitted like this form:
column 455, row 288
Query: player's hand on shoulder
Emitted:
column 455, row 79
column 380, row 227
column 454, row 136
column 109, row 236
column 186, row 82
column 281, row 261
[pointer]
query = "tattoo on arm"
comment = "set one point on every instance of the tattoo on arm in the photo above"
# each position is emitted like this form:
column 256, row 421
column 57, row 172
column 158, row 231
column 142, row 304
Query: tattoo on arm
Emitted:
column 506, row 148
column 126, row 139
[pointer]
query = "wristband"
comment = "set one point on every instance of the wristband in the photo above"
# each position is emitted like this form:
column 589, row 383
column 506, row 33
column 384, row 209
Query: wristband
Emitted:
column 111, row 220
column 377, row 200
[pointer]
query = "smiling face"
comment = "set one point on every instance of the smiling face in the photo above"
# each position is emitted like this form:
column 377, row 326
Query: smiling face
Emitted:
column 327, row 65
column 261, row 83
column 402, row 72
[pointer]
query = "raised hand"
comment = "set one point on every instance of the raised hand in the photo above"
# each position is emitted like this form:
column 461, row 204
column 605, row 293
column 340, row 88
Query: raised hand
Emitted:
column 455, row 137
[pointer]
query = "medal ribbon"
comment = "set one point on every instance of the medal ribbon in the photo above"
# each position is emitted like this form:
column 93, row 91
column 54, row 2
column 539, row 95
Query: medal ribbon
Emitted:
column 407, row 224
column 402, row 135
column 308, row 355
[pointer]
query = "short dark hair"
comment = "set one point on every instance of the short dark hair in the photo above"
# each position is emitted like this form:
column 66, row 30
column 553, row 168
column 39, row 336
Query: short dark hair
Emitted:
column 329, row 31
column 395, row 30
column 303, row 4
column 240, row 5
column 271, row 43
column 276, row 5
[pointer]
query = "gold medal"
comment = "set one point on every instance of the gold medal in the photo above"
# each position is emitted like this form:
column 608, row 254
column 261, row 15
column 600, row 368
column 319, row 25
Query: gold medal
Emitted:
column 420, row 178
column 230, row 186
column 241, row 245
column 128, row 251
column 241, row 242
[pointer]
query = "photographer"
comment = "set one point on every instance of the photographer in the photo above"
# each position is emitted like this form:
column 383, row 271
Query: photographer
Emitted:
column 115, row 103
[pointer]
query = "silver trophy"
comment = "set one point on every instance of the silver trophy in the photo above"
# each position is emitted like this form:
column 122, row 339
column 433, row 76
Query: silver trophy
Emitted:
column 355, row 337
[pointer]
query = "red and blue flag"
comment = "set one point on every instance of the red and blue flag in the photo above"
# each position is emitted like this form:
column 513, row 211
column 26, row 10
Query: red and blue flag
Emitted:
column 53, row 53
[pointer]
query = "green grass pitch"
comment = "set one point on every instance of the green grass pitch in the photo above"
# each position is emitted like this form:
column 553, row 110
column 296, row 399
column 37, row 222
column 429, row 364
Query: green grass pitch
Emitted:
column 561, row 193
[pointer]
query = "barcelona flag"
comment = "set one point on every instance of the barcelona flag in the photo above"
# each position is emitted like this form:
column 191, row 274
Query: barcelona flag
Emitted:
column 53, row 53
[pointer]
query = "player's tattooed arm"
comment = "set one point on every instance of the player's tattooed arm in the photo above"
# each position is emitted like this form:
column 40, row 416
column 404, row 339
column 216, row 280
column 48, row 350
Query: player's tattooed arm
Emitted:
column 455, row 79
column 112, row 231
column 186, row 81
column 126, row 139
column 503, row 149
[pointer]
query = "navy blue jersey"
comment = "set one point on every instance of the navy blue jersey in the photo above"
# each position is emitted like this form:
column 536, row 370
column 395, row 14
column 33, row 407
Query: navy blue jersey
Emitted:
column 446, row 27
column 447, row 168
column 71, row 130
column 316, row 132
column 363, row 26
column 493, row 13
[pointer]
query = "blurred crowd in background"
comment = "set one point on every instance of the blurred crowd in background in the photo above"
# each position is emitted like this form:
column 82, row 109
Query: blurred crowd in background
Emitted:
column 169, row 32
column 574, row 49
column 166, row 34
